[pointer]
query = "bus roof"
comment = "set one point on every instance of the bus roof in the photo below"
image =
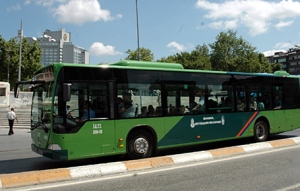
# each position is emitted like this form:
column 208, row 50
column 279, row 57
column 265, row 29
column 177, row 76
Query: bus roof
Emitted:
column 133, row 64
column 143, row 64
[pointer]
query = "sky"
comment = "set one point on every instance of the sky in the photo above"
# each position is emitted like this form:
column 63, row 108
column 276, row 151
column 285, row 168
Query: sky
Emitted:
column 108, row 28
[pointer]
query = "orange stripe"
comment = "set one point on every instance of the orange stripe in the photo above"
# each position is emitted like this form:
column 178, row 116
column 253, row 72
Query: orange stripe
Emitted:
column 247, row 124
column 34, row 177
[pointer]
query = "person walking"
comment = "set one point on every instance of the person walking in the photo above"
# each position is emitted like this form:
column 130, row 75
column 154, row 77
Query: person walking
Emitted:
column 11, row 116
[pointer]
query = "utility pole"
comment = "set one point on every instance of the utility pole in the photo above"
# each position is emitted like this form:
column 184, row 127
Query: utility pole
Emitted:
column 20, row 35
column 8, row 69
column 137, row 29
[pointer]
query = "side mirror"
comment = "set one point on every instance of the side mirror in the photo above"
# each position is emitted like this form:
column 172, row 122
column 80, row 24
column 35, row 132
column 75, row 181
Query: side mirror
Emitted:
column 67, row 92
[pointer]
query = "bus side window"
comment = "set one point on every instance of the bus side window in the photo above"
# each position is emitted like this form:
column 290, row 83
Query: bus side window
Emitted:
column 277, row 90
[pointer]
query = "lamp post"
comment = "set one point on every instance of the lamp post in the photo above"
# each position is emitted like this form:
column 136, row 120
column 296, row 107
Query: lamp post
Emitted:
column 8, row 71
column 137, row 29
column 20, row 35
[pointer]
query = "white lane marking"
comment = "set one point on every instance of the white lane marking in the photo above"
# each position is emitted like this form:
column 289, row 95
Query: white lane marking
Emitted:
column 289, row 187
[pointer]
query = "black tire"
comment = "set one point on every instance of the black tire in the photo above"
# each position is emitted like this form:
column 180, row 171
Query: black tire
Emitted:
column 140, row 145
column 261, row 131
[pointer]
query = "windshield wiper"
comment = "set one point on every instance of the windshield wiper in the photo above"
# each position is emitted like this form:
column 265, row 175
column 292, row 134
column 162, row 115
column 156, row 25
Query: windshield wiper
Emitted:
column 39, row 124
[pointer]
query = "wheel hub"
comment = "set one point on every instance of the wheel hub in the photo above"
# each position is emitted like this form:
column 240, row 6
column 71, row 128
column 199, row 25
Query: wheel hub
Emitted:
column 141, row 145
column 260, row 132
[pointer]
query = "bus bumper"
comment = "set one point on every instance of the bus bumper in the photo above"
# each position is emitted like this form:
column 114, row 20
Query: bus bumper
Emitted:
column 52, row 154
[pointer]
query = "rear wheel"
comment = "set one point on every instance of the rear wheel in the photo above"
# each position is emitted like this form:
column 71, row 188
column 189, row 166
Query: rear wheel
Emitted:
column 261, row 131
column 140, row 145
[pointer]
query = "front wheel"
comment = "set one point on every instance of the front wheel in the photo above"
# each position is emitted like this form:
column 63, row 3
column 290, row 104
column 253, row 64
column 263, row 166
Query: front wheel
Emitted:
column 140, row 145
column 261, row 131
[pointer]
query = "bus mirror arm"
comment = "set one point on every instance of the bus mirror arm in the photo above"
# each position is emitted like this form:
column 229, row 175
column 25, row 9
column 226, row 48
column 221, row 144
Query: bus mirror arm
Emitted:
column 17, row 89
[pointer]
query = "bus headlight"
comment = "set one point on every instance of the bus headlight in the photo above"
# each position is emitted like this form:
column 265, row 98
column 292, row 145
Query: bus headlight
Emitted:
column 54, row 147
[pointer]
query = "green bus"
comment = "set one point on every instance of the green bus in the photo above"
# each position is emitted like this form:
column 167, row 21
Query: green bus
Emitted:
column 138, row 108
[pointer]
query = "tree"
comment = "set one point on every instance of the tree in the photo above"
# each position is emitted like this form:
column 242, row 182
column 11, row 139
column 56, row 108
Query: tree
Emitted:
column 3, row 59
column 197, row 59
column 9, row 59
column 31, row 59
column 276, row 67
column 201, row 56
column 145, row 54
column 266, row 66
column 230, row 53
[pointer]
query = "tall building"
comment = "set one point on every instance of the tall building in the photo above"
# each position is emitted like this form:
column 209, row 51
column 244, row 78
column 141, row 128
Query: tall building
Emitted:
column 57, row 47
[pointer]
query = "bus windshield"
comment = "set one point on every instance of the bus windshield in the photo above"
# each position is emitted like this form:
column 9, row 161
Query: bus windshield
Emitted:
column 41, row 106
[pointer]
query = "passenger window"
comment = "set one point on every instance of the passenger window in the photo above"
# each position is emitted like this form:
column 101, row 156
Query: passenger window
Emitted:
column 220, row 94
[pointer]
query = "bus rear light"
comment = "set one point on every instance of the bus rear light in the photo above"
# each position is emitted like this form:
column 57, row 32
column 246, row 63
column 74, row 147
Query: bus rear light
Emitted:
column 54, row 147
column 198, row 136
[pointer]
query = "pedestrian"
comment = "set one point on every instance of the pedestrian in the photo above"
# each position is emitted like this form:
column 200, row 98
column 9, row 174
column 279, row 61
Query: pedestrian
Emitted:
column 11, row 116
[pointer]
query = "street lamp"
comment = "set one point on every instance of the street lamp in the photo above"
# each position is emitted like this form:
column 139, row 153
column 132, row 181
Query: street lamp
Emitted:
column 137, row 29
column 8, row 71
column 20, row 35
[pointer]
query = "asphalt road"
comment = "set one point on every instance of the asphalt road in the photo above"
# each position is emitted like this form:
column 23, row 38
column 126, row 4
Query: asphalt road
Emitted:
column 16, row 155
column 263, row 171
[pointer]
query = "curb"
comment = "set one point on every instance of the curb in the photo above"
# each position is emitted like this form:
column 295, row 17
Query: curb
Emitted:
column 63, row 174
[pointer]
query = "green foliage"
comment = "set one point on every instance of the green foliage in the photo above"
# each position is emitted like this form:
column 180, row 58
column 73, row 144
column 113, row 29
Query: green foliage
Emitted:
column 31, row 58
column 196, row 59
column 230, row 53
column 266, row 66
column 9, row 59
column 227, row 53
column 276, row 67
column 145, row 54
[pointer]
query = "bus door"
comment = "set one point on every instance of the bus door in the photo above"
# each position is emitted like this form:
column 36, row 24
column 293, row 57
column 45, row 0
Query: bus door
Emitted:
column 176, row 109
column 88, row 114
column 178, row 96
column 279, row 113
column 103, row 103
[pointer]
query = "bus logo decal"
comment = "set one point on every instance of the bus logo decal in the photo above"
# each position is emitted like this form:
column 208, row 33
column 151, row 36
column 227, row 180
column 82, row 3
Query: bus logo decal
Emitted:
column 192, row 123
column 247, row 124
column 208, row 121
column 223, row 120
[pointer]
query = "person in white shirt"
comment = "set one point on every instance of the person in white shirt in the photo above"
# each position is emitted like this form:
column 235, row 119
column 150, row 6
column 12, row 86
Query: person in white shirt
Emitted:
column 200, row 105
column 127, row 108
column 11, row 116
